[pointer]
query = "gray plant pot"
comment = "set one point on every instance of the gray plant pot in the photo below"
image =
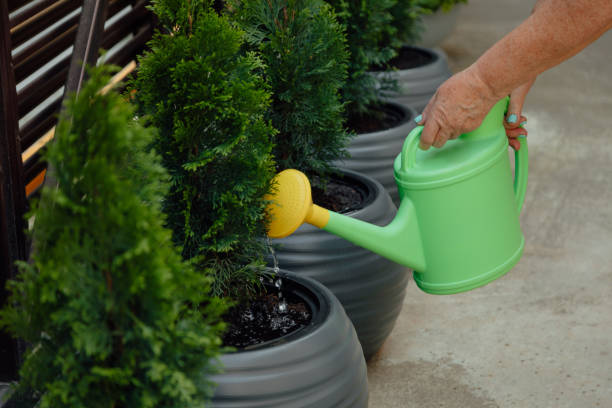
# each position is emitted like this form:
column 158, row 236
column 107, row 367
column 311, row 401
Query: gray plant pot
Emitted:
column 438, row 26
column 417, row 85
column 373, row 153
column 319, row 366
column 370, row 287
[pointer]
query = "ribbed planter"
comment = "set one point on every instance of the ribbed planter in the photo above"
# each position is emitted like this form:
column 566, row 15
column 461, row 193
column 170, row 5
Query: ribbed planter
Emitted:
column 438, row 26
column 370, row 287
column 373, row 153
column 319, row 366
column 417, row 85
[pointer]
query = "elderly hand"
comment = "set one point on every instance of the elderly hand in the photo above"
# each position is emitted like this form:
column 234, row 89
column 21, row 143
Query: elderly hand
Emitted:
column 461, row 103
column 515, row 121
column 458, row 106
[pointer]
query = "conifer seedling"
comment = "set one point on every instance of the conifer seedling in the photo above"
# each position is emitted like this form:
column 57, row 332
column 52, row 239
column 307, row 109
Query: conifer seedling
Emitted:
column 367, row 24
column 113, row 316
column 303, row 49
column 205, row 97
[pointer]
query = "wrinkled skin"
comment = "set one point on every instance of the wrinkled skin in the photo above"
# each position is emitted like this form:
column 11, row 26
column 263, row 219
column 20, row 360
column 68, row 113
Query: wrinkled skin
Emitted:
column 555, row 31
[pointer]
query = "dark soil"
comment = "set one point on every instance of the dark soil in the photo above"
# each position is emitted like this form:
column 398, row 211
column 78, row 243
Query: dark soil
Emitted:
column 407, row 58
column 374, row 121
column 338, row 196
column 263, row 320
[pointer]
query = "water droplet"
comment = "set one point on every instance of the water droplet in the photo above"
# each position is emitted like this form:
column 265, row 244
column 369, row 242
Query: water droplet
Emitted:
column 273, row 254
column 282, row 306
column 278, row 283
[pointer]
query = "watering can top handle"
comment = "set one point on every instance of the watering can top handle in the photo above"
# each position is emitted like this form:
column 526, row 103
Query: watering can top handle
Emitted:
column 409, row 151
column 411, row 145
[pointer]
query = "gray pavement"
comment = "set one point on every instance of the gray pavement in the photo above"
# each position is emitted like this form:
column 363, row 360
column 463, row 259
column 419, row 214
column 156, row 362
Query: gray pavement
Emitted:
column 541, row 336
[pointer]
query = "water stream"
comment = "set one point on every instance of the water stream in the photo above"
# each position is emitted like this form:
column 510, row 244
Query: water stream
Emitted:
column 282, row 304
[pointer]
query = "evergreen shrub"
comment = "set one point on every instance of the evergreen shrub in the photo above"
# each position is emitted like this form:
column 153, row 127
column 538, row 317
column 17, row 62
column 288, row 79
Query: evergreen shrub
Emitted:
column 431, row 6
column 367, row 25
column 404, row 26
column 107, row 305
column 305, row 61
column 203, row 95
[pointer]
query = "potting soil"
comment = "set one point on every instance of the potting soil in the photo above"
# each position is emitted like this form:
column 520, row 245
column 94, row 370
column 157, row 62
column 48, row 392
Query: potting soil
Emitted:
column 271, row 316
column 338, row 196
column 409, row 57
column 374, row 121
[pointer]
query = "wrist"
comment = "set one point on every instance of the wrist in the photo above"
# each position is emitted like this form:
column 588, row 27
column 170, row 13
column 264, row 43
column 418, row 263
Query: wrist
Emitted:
column 486, row 88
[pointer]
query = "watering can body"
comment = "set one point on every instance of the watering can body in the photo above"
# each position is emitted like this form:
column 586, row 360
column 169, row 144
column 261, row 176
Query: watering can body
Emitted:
column 468, row 212
column 458, row 224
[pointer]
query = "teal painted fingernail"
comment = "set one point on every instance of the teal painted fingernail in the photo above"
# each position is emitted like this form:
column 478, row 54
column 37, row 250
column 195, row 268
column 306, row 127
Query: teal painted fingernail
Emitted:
column 512, row 118
column 418, row 118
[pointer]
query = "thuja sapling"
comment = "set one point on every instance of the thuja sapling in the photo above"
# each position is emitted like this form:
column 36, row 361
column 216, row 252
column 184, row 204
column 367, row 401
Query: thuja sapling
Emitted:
column 113, row 315
column 366, row 22
column 404, row 25
column 305, row 63
column 431, row 6
column 204, row 96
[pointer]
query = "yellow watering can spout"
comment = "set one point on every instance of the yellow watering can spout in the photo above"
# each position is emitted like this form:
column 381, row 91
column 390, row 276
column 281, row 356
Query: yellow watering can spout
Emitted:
column 291, row 205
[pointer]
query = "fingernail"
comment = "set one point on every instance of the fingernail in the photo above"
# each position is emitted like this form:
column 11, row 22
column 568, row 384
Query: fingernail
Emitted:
column 418, row 118
column 523, row 123
column 512, row 118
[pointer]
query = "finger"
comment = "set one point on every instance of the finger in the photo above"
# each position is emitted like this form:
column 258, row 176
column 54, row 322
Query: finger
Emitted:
column 516, row 132
column 419, row 120
column 441, row 139
column 454, row 136
column 520, row 123
column 515, row 143
column 430, row 132
column 439, row 142
column 517, row 100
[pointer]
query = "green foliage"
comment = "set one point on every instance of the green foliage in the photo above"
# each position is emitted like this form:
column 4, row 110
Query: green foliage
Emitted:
column 367, row 25
column 431, row 6
column 404, row 26
column 303, row 48
column 106, row 303
column 209, row 107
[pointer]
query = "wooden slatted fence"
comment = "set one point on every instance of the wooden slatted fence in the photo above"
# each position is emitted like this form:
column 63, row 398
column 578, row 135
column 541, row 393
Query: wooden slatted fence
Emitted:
column 37, row 46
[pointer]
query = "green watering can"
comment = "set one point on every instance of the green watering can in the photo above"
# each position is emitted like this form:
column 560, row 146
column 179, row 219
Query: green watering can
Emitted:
column 457, row 225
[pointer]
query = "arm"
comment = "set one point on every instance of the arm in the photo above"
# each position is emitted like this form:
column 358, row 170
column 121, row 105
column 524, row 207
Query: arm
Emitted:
column 555, row 31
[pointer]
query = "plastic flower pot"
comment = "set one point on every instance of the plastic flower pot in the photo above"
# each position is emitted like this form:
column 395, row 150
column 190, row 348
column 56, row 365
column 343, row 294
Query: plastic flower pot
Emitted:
column 373, row 153
column 419, row 72
column 320, row 365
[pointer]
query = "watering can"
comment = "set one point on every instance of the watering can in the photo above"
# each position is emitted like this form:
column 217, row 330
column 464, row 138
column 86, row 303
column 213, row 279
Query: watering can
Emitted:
column 457, row 225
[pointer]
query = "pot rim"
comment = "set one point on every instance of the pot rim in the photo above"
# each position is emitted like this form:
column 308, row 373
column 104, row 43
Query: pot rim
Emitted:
column 313, row 294
column 407, row 113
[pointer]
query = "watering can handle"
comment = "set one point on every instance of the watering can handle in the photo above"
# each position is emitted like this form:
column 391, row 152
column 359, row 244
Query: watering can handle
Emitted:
column 411, row 145
column 521, row 160
column 521, row 169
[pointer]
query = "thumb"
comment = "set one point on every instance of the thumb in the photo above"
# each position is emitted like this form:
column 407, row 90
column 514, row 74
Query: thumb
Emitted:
column 515, row 107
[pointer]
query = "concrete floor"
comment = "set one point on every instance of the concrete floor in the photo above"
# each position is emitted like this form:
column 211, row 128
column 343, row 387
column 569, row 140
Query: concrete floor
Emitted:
column 541, row 336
